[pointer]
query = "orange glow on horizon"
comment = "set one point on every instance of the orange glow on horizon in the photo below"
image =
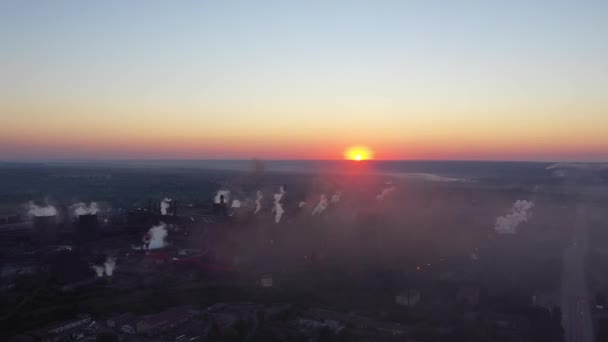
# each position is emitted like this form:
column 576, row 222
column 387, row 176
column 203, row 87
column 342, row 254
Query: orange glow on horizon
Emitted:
column 358, row 153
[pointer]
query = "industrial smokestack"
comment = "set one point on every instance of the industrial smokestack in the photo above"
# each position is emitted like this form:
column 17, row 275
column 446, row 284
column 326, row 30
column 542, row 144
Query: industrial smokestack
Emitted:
column 222, row 197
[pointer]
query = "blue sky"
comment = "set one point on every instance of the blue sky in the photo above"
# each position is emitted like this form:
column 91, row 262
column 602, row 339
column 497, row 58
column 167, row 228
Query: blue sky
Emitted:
column 322, row 73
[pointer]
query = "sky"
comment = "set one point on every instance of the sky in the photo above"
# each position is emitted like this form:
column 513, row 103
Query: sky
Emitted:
column 461, row 80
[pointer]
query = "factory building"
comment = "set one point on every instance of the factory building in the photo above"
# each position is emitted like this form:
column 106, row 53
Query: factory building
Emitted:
column 88, row 226
column 45, row 229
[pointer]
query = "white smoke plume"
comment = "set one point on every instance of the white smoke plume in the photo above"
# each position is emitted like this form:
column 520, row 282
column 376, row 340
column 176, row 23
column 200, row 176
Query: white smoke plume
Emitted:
column 578, row 166
column 335, row 198
column 302, row 204
column 278, row 205
column 81, row 208
column 258, row 201
column 385, row 193
column 35, row 210
column 164, row 205
column 519, row 213
column 236, row 204
column 99, row 270
column 321, row 206
column 220, row 193
column 157, row 235
column 109, row 266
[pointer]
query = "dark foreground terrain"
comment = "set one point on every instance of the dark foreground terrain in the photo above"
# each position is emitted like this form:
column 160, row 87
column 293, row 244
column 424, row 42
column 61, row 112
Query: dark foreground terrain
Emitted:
column 399, row 251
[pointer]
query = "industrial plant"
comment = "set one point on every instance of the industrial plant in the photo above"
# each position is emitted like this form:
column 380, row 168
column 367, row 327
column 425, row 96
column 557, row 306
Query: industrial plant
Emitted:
column 355, row 256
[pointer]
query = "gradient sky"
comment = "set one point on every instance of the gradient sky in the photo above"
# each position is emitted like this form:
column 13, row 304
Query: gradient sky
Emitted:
column 498, row 80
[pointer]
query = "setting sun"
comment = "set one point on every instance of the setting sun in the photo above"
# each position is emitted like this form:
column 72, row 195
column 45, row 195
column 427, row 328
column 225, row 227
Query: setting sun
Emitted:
column 358, row 153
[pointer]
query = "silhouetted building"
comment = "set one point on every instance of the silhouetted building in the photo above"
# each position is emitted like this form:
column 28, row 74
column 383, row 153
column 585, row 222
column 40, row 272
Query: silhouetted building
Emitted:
column 45, row 229
column 220, row 209
column 87, row 226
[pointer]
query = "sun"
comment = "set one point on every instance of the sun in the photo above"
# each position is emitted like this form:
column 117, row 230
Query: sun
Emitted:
column 358, row 153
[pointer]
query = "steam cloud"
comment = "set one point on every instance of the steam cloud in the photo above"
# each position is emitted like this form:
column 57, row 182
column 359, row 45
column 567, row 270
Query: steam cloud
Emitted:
column 236, row 204
column 81, row 208
column 321, row 206
column 35, row 210
column 220, row 193
column 110, row 265
column 385, row 193
column 99, row 270
column 157, row 235
column 519, row 213
column 107, row 268
column 164, row 205
column 258, row 201
column 336, row 197
column 278, row 205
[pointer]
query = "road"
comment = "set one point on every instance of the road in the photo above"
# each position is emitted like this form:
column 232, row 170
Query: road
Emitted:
column 575, row 299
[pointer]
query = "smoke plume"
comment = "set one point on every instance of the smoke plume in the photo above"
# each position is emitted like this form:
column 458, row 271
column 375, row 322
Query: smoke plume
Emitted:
column 258, row 201
column 236, row 204
column 519, row 213
column 321, row 206
column 81, row 208
column 335, row 198
column 107, row 268
column 157, row 235
column 99, row 270
column 385, row 193
column 110, row 265
column 278, row 205
column 35, row 210
column 220, row 193
column 164, row 205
